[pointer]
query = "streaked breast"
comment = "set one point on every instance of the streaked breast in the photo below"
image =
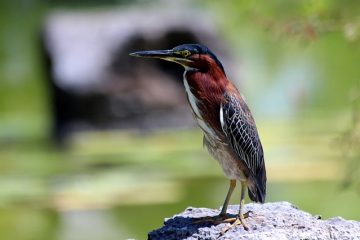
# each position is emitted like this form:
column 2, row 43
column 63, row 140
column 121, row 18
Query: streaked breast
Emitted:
column 193, row 102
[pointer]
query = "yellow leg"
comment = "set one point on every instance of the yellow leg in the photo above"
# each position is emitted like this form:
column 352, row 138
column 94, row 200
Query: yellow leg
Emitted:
column 240, row 219
column 228, row 196
column 242, row 204
column 222, row 217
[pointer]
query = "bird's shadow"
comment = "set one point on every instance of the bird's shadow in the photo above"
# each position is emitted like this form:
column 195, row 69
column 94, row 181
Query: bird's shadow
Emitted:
column 181, row 227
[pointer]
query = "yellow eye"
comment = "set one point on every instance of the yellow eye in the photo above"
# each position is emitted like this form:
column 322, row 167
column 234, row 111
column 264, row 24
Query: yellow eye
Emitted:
column 186, row 53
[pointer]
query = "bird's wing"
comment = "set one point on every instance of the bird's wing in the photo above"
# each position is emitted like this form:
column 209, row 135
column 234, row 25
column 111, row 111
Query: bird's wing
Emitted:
column 239, row 127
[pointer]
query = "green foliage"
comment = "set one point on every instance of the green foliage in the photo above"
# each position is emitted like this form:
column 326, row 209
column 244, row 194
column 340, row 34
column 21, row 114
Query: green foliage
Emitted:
column 350, row 142
column 325, row 34
column 23, row 104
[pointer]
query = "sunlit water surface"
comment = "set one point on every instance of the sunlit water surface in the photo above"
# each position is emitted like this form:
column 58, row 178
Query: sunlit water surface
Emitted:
column 116, row 185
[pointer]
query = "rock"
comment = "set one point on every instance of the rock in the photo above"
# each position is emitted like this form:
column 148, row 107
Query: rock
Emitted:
column 279, row 220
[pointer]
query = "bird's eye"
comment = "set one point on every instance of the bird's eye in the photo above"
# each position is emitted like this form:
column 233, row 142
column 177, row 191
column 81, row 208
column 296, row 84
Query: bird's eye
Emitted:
column 186, row 53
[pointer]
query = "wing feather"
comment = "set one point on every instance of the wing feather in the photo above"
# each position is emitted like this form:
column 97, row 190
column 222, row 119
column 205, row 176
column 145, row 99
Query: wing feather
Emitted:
column 238, row 125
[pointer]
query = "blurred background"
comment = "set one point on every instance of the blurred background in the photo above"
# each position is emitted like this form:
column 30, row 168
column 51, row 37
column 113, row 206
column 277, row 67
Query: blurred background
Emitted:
column 95, row 144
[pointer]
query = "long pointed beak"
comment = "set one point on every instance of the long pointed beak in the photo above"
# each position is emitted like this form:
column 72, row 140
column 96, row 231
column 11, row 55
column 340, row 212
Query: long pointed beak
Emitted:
column 154, row 54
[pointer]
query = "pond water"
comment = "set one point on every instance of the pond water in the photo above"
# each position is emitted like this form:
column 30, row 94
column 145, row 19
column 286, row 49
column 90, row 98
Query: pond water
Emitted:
column 116, row 185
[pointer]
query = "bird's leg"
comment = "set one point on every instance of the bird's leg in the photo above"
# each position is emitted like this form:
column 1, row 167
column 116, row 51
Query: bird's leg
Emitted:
column 222, row 217
column 240, row 219
column 227, row 199
column 242, row 204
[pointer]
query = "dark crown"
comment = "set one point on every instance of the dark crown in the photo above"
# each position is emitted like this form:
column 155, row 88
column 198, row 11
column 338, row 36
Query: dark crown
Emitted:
column 199, row 49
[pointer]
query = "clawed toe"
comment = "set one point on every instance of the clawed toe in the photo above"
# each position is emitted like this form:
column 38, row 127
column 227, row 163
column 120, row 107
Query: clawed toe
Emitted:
column 224, row 218
column 239, row 220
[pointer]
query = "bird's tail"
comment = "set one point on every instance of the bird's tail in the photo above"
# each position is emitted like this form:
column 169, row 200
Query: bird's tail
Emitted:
column 257, row 187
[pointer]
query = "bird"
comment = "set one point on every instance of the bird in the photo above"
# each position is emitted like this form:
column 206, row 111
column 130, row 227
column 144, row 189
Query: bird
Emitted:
column 220, row 110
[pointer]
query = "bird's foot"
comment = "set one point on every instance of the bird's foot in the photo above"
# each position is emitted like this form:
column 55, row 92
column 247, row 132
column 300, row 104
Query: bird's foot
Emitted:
column 239, row 220
column 233, row 219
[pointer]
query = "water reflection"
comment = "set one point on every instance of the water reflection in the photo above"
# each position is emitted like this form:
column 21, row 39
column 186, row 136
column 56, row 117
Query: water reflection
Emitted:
column 96, row 190
column 26, row 222
column 89, row 225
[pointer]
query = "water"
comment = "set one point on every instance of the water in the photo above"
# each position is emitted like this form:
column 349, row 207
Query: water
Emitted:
column 136, row 220
column 116, row 185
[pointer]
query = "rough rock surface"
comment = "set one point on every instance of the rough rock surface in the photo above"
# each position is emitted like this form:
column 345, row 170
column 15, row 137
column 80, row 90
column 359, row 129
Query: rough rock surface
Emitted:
column 279, row 220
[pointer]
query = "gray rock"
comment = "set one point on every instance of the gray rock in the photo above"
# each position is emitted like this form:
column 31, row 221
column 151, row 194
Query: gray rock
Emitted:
column 279, row 220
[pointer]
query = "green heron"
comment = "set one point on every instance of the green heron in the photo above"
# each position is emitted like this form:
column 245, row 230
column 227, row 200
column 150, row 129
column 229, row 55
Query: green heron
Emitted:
column 230, row 133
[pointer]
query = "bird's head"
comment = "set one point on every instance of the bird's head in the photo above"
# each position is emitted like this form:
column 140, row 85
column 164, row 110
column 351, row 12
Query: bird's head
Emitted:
column 190, row 56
